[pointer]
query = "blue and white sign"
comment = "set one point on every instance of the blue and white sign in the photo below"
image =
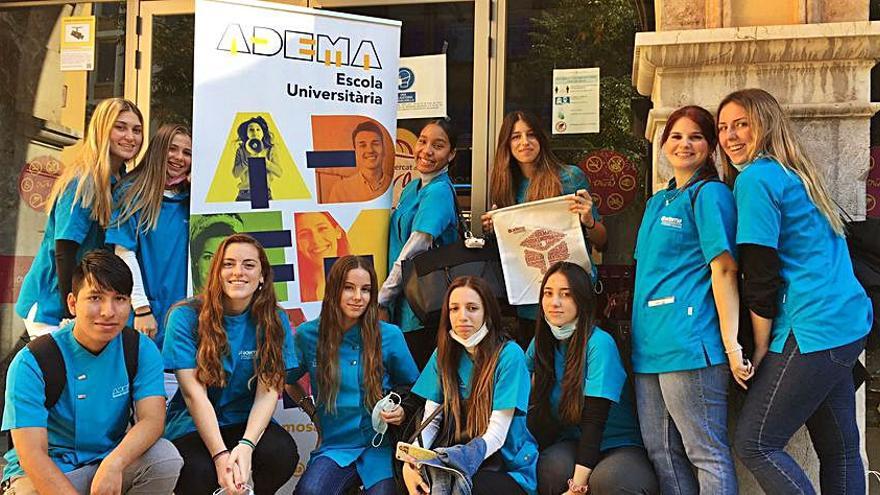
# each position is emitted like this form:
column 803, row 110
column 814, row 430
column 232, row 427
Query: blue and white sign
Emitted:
column 421, row 86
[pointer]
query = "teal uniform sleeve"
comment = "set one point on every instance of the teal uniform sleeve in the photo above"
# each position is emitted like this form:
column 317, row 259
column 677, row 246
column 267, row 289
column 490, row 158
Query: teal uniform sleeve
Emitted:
column 512, row 380
column 428, row 384
column 605, row 374
column 436, row 210
column 758, row 199
column 72, row 221
column 291, row 359
column 402, row 368
column 25, row 394
column 179, row 349
column 715, row 216
column 149, row 380
column 530, row 357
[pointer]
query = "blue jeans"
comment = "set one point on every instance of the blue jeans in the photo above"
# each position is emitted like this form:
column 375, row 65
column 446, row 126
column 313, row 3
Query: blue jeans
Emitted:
column 793, row 389
column 325, row 477
column 683, row 416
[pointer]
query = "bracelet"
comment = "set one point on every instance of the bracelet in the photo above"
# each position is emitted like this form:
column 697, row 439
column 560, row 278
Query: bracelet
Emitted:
column 218, row 454
column 735, row 349
column 245, row 441
column 145, row 313
column 575, row 488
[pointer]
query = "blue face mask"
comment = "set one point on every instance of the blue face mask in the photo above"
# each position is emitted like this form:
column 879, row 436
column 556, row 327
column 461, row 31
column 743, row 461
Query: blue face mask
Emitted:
column 565, row 331
column 387, row 404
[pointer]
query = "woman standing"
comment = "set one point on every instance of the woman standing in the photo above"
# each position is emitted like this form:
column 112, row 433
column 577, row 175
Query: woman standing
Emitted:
column 79, row 207
column 149, row 228
column 809, row 313
column 254, row 141
column 580, row 383
column 230, row 348
column 525, row 169
column 425, row 216
column 354, row 361
column 479, row 381
column 686, row 315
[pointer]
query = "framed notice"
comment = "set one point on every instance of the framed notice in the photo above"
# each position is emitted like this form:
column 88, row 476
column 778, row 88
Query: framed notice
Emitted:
column 575, row 101
column 78, row 43
column 422, row 87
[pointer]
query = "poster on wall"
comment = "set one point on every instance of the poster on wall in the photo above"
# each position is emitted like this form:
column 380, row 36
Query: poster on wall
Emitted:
column 422, row 87
column 294, row 124
column 78, row 43
column 575, row 101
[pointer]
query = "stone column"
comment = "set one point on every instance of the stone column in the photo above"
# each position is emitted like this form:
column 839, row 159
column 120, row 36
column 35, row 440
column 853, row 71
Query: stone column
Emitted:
column 814, row 56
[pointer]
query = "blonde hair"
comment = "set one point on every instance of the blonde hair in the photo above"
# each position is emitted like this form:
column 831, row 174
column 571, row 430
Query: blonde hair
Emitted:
column 148, row 180
column 92, row 167
column 773, row 136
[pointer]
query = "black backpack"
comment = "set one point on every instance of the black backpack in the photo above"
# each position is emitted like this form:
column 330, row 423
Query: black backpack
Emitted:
column 863, row 240
column 51, row 362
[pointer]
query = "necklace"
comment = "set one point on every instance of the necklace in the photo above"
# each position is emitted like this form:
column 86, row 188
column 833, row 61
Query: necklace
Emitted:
column 678, row 191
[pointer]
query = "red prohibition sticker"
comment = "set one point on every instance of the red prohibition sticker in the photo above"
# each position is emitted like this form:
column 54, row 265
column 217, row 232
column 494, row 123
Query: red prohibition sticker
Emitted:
column 613, row 178
column 36, row 180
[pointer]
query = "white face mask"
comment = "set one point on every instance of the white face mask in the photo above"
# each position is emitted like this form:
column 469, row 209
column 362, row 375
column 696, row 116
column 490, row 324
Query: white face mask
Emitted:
column 387, row 404
column 563, row 332
column 473, row 340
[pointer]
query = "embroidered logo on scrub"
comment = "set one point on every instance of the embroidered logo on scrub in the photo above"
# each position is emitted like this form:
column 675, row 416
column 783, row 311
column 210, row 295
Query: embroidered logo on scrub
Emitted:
column 247, row 355
column 543, row 248
column 673, row 222
column 120, row 391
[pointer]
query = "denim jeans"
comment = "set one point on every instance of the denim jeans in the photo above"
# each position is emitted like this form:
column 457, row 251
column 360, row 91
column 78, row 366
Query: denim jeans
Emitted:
column 683, row 416
column 325, row 477
column 793, row 389
column 153, row 473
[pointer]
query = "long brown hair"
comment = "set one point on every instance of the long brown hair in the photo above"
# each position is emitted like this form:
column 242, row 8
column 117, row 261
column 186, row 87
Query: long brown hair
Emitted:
column 506, row 174
column 92, row 166
column 704, row 120
column 148, row 180
column 331, row 332
column 213, row 344
column 572, row 400
column 449, row 354
column 773, row 136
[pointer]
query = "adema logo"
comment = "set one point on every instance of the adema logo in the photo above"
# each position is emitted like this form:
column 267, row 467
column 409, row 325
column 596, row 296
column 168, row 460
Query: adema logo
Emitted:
column 406, row 78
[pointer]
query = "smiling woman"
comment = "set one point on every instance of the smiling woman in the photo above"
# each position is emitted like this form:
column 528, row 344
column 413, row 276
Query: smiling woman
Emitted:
column 318, row 237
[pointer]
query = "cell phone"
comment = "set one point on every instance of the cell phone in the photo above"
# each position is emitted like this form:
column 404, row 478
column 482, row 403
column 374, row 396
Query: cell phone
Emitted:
column 414, row 451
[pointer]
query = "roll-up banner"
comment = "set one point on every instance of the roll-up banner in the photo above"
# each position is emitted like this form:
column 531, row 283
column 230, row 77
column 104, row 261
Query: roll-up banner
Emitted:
column 294, row 119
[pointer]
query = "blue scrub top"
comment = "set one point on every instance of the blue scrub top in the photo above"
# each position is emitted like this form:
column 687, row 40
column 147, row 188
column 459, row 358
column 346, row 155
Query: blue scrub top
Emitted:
column 232, row 403
column 162, row 252
column 604, row 377
column 68, row 220
column 347, row 434
column 821, row 300
column 573, row 180
column 429, row 209
column 91, row 415
column 512, row 385
column 675, row 322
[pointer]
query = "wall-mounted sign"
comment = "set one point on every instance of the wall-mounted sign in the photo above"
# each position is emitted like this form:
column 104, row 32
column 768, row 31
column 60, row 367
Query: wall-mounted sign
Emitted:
column 575, row 101
column 78, row 43
column 421, row 87
column 872, row 186
column 36, row 180
column 614, row 180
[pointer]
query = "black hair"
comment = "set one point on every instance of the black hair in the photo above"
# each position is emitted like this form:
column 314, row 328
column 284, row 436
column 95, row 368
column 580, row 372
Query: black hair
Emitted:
column 448, row 127
column 260, row 121
column 105, row 270
column 368, row 126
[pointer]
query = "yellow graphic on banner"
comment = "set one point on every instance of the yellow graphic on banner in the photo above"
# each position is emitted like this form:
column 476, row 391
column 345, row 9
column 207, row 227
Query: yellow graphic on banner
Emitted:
column 255, row 135
column 369, row 235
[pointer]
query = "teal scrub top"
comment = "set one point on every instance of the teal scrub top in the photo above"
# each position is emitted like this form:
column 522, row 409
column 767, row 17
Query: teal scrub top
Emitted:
column 232, row 403
column 821, row 300
column 512, row 385
column 68, row 220
column 162, row 253
column 573, row 180
column 604, row 377
column 675, row 322
column 347, row 434
column 91, row 415
column 429, row 209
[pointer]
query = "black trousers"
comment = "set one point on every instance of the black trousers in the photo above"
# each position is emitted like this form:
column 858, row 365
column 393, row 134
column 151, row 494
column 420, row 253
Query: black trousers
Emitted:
column 488, row 482
column 273, row 463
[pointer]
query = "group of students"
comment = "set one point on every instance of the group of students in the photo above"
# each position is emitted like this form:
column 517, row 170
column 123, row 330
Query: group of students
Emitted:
column 546, row 407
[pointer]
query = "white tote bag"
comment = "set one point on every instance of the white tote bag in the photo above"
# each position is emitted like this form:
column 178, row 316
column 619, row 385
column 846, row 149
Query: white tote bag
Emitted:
column 531, row 237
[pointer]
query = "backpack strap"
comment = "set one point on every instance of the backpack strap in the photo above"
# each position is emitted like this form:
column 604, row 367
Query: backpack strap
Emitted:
column 697, row 190
column 51, row 363
column 131, row 340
